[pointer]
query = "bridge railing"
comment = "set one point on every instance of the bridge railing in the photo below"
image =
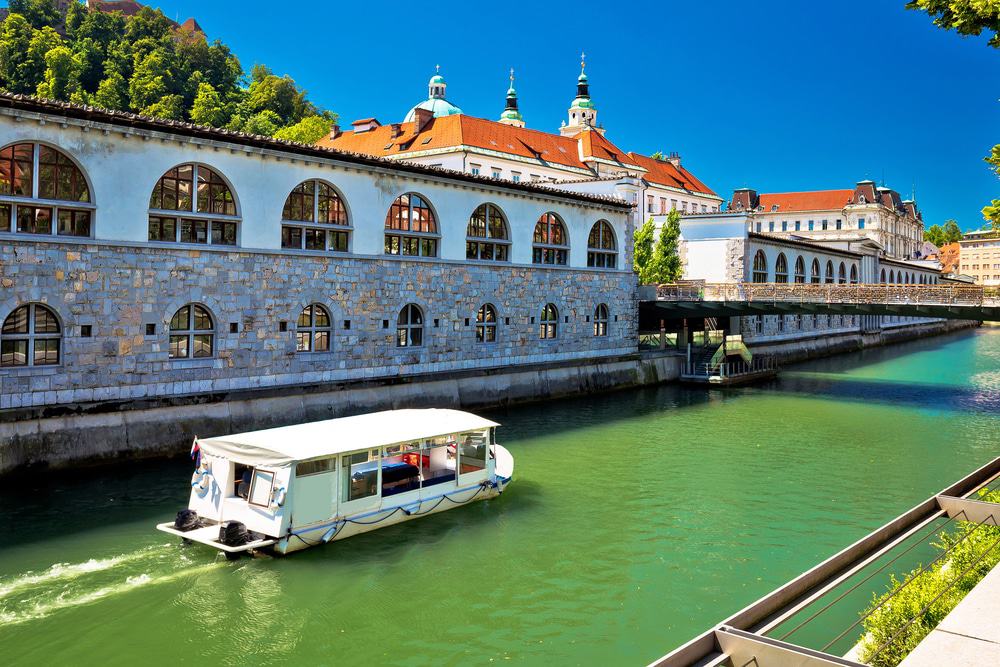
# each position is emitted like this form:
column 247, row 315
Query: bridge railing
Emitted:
column 931, row 295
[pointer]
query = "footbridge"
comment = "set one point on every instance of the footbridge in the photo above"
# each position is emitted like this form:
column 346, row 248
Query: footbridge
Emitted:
column 693, row 300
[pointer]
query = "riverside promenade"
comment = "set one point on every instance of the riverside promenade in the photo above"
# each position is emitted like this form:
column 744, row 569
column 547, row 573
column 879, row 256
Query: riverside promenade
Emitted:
column 969, row 635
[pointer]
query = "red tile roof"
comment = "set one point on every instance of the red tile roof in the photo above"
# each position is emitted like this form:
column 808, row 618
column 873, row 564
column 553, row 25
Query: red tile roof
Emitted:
column 949, row 257
column 462, row 130
column 822, row 200
column 593, row 144
column 663, row 172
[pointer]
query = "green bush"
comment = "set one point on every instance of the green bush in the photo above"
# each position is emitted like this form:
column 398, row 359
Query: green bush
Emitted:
column 886, row 621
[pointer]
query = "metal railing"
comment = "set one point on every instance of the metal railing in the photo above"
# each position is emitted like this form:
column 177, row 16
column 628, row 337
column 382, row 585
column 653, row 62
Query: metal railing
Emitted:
column 926, row 295
column 731, row 369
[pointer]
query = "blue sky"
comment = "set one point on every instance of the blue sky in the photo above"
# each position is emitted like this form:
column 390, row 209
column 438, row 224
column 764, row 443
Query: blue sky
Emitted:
column 773, row 95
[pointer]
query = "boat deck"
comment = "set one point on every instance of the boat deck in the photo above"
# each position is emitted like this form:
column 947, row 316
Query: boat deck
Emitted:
column 209, row 536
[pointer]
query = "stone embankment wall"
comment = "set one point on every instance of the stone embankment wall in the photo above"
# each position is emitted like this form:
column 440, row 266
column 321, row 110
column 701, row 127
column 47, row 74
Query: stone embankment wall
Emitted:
column 104, row 432
column 788, row 351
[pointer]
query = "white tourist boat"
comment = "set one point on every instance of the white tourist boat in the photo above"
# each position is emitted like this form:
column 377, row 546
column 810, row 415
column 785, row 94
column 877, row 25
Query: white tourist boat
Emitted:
column 285, row 489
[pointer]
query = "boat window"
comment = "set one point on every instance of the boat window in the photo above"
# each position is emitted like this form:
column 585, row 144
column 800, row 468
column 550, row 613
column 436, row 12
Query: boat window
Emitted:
column 400, row 468
column 472, row 449
column 315, row 467
column 437, row 465
column 360, row 475
column 242, row 476
column 260, row 488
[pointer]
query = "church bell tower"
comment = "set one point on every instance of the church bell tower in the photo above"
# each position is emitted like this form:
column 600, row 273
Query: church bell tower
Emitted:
column 582, row 112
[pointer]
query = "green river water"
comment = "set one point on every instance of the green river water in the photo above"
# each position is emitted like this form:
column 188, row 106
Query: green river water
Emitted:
column 635, row 521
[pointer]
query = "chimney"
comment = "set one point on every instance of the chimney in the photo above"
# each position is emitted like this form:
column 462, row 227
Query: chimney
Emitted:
column 421, row 119
column 334, row 131
column 674, row 159
column 396, row 130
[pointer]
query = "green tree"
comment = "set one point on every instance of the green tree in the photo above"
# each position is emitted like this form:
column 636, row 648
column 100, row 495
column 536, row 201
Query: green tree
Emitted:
column 644, row 237
column 966, row 17
column 208, row 107
column 15, row 37
column 76, row 14
column 169, row 107
column 62, row 74
column 934, row 234
column 969, row 17
column 265, row 123
column 665, row 266
column 39, row 13
column 952, row 232
column 309, row 130
column 112, row 93
column 33, row 68
column 148, row 84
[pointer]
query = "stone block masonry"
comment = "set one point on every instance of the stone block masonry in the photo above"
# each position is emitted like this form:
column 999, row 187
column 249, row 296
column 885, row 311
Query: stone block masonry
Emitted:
column 127, row 294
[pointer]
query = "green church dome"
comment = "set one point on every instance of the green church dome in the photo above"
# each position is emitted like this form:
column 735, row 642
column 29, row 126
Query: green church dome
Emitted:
column 438, row 106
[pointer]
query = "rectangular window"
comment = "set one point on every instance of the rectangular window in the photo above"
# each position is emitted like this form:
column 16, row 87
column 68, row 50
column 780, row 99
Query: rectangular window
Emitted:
column 223, row 233
column 162, row 229
column 260, row 488
column 4, row 217
column 839, row 224
column 475, row 169
column 315, row 467
column 861, row 223
column 74, row 223
column 497, row 173
column 784, row 225
column 649, row 203
column 194, row 231
column 34, row 220
column 291, row 237
column 825, row 225
column 315, row 239
column 798, row 225
column 770, row 226
column 758, row 228
column 515, row 176
column 673, row 204
column 13, row 353
column 360, row 473
column 812, row 225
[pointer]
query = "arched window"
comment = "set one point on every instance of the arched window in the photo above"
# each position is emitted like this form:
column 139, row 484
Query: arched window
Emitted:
column 550, row 322
column 410, row 228
column 883, row 277
column 312, row 332
column 31, row 336
column 486, row 324
column 829, row 272
column 601, row 320
column 602, row 251
column 892, row 277
column 781, row 269
column 800, row 270
column 193, row 204
column 315, row 218
column 842, row 274
column 854, row 274
column 760, row 267
column 410, row 326
column 550, row 245
column 55, row 203
column 486, row 236
column 192, row 333
column 816, row 277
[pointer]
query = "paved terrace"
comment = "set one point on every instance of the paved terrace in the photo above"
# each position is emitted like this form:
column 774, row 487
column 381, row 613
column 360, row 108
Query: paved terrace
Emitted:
column 958, row 302
column 969, row 635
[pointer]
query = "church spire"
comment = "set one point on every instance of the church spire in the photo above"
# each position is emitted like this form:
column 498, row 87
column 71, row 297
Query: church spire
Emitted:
column 582, row 112
column 511, row 115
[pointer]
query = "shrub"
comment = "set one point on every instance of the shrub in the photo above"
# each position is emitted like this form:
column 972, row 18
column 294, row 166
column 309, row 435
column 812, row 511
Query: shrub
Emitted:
column 945, row 578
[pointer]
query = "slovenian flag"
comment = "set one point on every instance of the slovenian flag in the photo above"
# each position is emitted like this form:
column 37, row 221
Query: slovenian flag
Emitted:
column 196, row 451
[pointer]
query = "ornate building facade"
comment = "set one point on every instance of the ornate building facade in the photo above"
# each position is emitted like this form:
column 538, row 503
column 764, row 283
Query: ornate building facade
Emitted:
column 846, row 216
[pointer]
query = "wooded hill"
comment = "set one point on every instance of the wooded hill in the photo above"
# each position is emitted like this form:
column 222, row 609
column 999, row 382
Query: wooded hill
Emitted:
column 146, row 63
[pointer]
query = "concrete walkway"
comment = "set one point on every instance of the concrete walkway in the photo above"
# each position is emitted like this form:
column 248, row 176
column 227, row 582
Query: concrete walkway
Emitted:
column 969, row 635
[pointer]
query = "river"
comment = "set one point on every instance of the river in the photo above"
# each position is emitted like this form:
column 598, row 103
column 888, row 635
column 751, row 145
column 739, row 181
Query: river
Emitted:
column 635, row 521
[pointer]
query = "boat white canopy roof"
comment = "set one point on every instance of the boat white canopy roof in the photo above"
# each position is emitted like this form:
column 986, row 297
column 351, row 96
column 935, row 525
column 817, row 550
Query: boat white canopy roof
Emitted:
column 302, row 442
